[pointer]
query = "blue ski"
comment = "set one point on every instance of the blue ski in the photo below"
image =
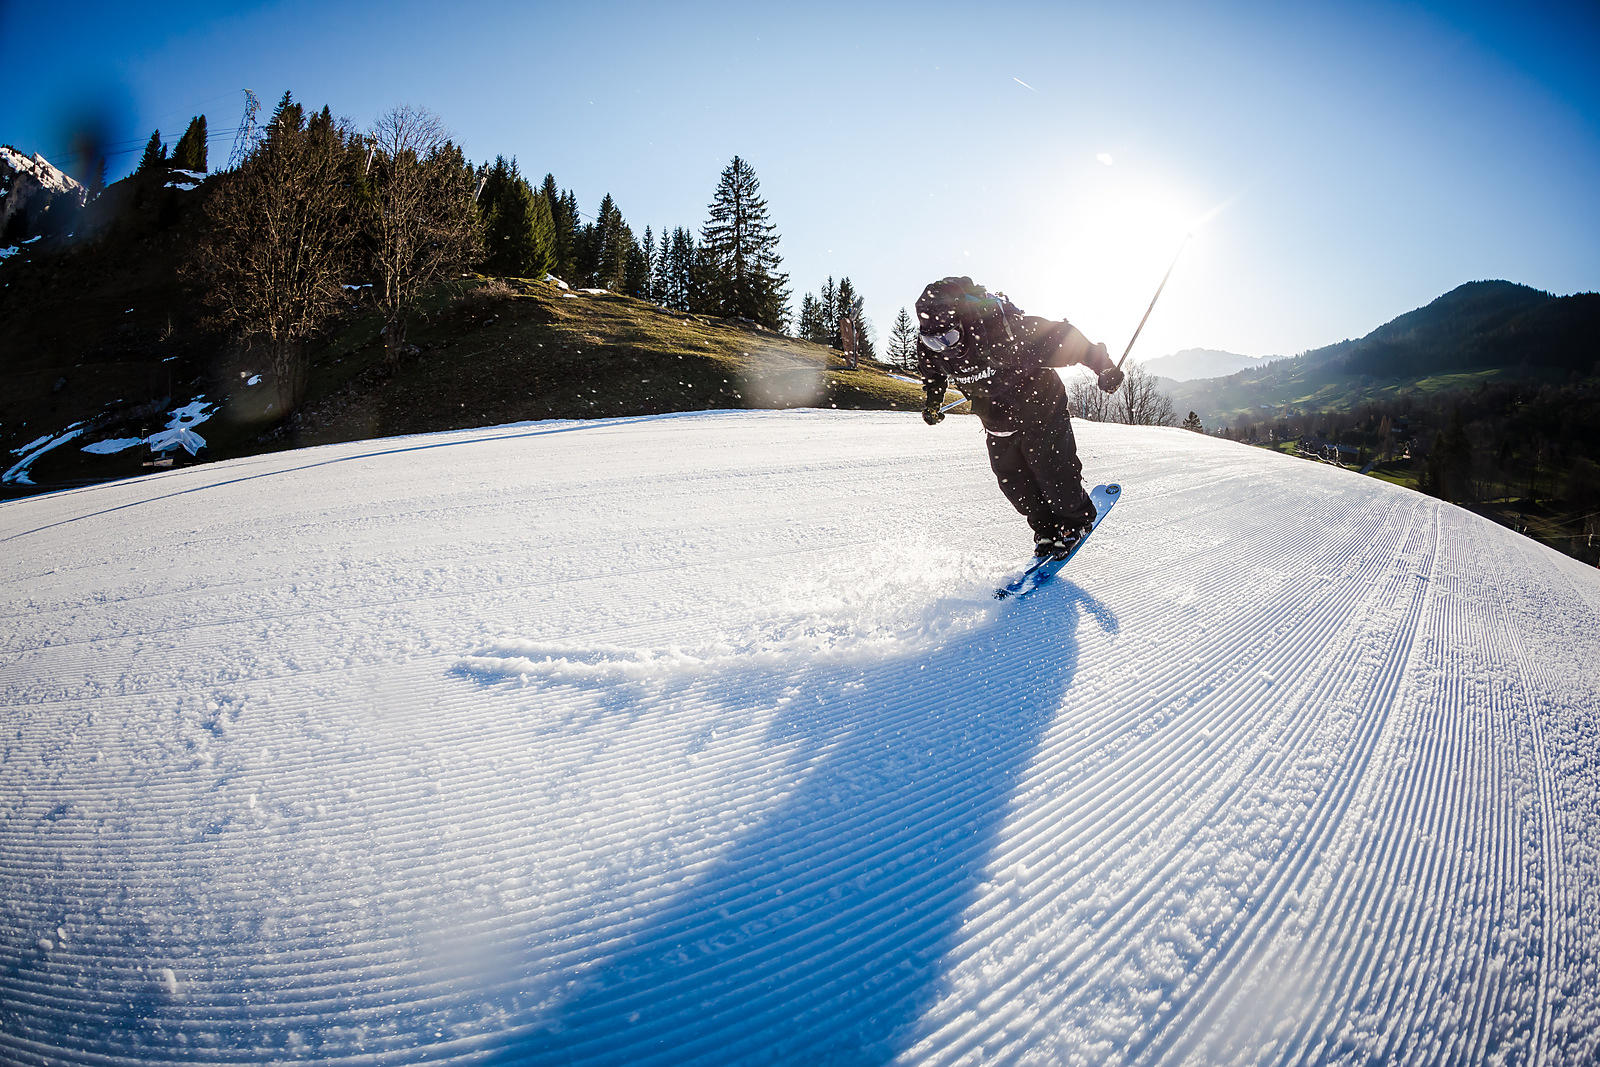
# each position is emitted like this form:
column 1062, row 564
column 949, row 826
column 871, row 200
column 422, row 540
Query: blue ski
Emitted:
column 1042, row 570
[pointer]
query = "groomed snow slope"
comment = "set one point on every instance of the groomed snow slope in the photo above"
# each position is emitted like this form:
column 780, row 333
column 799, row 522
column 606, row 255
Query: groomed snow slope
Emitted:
column 701, row 739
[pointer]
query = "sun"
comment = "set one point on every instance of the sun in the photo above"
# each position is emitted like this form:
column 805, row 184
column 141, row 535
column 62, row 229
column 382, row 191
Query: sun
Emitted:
column 1132, row 230
column 1112, row 236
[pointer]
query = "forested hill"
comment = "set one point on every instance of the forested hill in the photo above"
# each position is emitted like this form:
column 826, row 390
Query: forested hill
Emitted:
column 104, row 346
column 1479, row 325
column 1478, row 331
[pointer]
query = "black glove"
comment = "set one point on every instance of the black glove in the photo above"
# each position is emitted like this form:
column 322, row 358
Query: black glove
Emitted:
column 1111, row 379
column 932, row 415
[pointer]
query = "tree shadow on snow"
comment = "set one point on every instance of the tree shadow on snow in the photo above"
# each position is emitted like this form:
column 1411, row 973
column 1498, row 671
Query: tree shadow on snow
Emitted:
column 820, row 934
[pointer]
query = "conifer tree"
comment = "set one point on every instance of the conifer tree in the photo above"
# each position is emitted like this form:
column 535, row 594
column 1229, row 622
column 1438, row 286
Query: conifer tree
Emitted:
column 190, row 153
column 611, row 241
column 1193, row 423
column 683, row 286
column 903, row 341
column 542, row 261
column 660, row 271
column 702, row 282
column 518, row 236
column 563, row 225
column 287, row 118
column 810, row 325
column 828, row 313
column 155, row 154
column 844, row 306
column 321, row 122
column 567, row 225
column 741, row 251
column 636, row 268
column 849, row 304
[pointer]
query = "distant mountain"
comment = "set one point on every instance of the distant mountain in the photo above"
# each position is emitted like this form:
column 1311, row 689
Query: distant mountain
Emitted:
column 1481, row 331
column 1194, row 363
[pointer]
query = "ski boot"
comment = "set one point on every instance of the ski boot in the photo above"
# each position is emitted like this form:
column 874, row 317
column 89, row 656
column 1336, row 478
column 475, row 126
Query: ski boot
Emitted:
column 1059, row 543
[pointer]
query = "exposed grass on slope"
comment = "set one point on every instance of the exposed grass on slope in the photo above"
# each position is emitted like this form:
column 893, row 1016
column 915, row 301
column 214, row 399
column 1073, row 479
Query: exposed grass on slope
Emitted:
column 496, row 351
column 486, row 351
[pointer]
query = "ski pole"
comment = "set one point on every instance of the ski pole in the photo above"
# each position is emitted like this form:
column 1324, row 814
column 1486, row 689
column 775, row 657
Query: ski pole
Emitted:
column 1153, row 300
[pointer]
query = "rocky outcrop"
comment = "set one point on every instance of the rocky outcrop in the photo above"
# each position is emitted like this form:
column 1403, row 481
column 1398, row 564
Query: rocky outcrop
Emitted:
column 32, row 194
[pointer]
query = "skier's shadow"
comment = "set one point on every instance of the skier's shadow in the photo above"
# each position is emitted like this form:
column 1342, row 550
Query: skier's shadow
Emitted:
column 820, row 935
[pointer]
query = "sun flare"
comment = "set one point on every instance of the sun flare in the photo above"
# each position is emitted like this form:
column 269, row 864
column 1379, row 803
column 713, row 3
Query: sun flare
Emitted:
column 1115, row 237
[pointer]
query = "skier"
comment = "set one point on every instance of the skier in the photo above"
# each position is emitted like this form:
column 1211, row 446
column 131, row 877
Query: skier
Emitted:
column 1002, row 361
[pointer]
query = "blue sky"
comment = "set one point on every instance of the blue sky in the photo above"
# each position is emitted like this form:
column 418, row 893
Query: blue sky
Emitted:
column 1338, row 164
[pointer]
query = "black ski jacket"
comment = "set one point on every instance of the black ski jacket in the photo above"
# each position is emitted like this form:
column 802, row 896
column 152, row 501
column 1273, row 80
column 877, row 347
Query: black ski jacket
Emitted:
column 1002, row 364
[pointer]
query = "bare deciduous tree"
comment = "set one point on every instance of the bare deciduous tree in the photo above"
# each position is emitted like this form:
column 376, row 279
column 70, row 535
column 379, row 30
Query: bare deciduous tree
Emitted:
column 1140, row 401
column 1086, row 400
column 420, row 220
column 278, row 242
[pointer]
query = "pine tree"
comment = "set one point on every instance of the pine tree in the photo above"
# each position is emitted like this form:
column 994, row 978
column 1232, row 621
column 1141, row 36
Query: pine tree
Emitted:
column 903, row 341
column 1193, row 423
column 660, row 275
column 543, row 259
column 155, row 154
column 611, row 242
column 190, row 154
column 321, row 122
column 810, row 325
column 846, row 305
column 563, row 224
column 636, row 267
column 567, row 226
column 519, row 237
column 683, row 288
column 849, row 304
column 741, row 249
column 828, row 314
column 287, row 118
column 589, row 250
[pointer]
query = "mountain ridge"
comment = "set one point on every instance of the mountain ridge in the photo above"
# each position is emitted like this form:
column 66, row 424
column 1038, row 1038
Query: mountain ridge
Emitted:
column 1491, row 329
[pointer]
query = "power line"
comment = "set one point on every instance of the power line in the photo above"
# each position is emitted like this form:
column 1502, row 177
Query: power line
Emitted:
column 122, row 147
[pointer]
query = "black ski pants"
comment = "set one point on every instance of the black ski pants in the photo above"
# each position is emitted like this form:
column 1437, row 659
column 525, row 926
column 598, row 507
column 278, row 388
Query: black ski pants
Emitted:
column 1037, row 464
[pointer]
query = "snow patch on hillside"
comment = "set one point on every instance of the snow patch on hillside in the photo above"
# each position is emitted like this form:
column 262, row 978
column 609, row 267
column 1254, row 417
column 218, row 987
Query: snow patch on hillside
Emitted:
column 17, row 473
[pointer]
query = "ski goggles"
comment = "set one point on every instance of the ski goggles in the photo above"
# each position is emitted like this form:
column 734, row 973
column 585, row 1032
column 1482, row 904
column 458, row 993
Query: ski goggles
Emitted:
column 938, row 342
